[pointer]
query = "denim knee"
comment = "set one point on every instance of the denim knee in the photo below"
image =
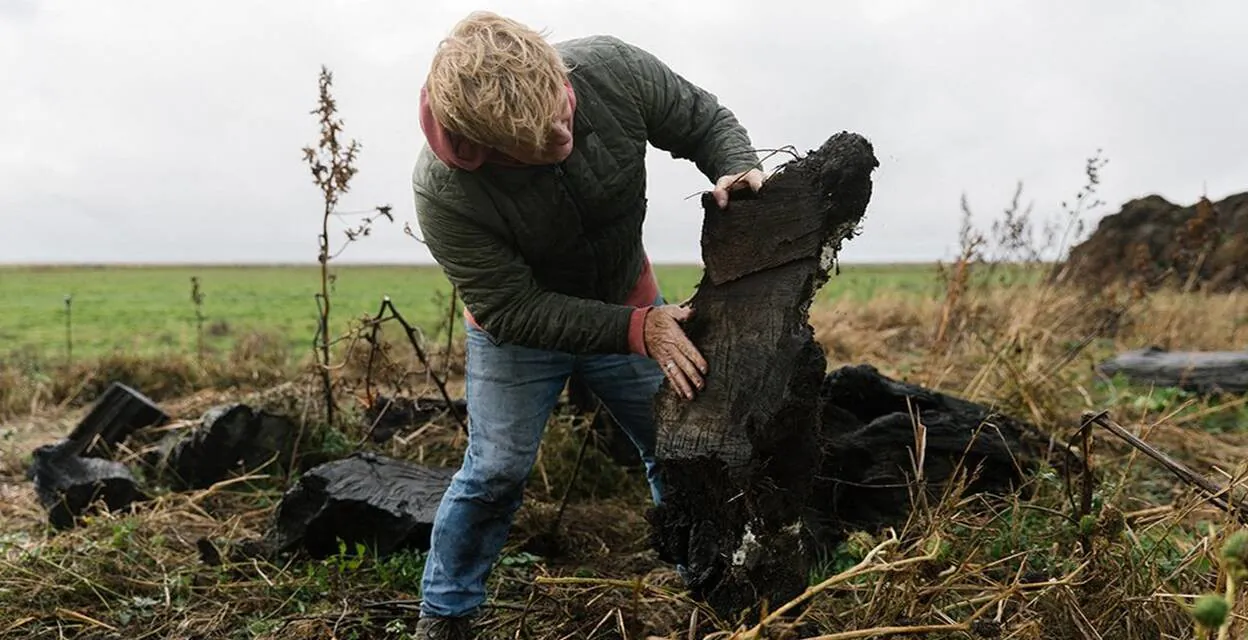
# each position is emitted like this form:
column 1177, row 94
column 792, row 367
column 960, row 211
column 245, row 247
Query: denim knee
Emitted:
column 495, row 478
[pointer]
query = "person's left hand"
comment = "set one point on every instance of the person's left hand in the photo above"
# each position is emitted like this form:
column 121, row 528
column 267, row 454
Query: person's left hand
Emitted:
column 752, row 178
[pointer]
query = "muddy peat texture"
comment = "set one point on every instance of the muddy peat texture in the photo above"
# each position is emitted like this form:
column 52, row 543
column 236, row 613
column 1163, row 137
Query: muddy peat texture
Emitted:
column 870, row 438
column 385, row 503
column 230, row 440
column 1202, row 372
column 739, row 461
column 1205, row 242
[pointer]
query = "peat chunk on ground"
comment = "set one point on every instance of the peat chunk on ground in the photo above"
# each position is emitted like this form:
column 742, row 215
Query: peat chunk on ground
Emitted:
column 77, row 472
column 738, row 462
column 867, row 394
column 862, row 391
column 1202, row 372
column 869, row 441
column 229, row 439
column 68, row 485
column 384, row 503
column 388, row 416
column 119, row 412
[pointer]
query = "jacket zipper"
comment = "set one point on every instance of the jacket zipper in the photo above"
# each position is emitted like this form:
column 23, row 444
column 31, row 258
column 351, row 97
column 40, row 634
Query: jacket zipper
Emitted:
column 563, row 183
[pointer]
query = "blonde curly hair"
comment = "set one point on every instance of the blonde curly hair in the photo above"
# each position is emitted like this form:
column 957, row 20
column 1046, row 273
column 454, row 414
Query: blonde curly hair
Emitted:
column 497, row 82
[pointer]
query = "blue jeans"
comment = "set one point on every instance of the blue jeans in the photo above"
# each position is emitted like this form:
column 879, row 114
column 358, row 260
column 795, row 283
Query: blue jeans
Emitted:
column 511, row 392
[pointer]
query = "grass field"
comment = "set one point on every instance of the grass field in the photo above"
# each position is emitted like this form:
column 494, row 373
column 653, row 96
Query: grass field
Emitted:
column 148, row 310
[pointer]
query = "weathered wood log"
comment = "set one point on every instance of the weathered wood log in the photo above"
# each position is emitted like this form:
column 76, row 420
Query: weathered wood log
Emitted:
column 871, row 441
column 738, row 462
column 1203, row 372
column 231, row 439
column 68, row 485
column 384, row 503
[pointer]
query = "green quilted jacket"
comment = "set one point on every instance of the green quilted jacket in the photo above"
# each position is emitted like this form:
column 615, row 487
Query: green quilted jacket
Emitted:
column 546, row 256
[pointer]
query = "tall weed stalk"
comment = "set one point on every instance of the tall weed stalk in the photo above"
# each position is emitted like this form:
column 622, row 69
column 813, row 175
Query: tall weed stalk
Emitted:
column 332, row 163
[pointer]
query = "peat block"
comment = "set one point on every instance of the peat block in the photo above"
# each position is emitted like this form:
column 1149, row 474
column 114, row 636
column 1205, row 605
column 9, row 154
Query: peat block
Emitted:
column 387, row 416
column 230, row 439
column 870, row 440
column 67, row 484
column 385, row 503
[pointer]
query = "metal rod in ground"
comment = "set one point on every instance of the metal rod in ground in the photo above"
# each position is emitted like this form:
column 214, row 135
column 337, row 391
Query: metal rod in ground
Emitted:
column 1218, row 496
column 69, row 329
column 576, row 469
column 424, row 360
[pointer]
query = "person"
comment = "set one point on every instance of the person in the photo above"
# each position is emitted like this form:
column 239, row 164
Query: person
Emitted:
column 530, row 193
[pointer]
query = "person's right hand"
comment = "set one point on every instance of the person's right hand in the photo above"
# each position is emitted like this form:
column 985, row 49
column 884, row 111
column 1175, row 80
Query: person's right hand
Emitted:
column 667, row 343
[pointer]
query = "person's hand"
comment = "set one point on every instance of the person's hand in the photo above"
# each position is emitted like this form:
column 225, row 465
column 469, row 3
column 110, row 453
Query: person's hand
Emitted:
column 667, row 343
column 752, row 178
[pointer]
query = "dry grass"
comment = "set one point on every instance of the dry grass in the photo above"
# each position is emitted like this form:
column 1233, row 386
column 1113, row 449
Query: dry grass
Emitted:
column 31, row 385
column 969, row 566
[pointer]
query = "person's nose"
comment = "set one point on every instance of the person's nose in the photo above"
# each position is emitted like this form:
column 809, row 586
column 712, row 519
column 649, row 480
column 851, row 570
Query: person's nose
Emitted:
column 561, row 133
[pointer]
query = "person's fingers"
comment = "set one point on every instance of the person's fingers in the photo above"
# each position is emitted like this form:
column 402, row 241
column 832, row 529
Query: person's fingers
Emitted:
column 755, row 178
column 723, row 186
column 678, row 313
column 691, row 352
column 681, row 341
column 687, row 366
column 676, row 354
column 676, row 374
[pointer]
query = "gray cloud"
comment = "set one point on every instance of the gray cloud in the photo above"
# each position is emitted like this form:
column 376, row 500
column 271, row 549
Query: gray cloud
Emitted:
column 161, row 131
column 14, row 10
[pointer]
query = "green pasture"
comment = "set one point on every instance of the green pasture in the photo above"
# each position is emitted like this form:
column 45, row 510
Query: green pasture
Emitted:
column 148, row 309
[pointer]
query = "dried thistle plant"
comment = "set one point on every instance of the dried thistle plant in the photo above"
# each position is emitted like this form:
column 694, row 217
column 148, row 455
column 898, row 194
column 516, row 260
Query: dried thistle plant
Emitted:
column 332, row 163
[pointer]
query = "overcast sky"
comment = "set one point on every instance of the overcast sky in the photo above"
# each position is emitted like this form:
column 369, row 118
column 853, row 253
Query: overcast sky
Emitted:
column 171, row 131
